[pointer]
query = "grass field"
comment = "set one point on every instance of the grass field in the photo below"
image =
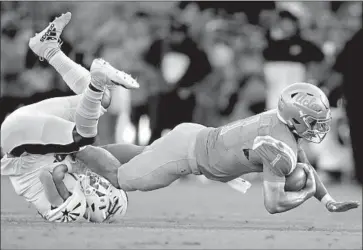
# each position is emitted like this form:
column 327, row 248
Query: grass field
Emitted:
column 190, row 215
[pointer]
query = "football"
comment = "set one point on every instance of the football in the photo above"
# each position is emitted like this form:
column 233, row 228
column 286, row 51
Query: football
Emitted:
column 296, row 180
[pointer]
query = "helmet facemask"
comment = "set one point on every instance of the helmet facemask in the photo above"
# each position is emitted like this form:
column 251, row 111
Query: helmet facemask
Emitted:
column 316, row 130
column 104, row 201
column 305, row 108
column 96, row 191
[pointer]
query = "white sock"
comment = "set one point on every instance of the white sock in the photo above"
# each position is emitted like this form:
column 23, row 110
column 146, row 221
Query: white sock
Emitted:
column 75, row 76
column 88, row 112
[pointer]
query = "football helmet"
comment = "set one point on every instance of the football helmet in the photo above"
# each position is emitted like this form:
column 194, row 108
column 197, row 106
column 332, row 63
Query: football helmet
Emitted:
column 305, row 109
column 105, row 203
column 72, row 209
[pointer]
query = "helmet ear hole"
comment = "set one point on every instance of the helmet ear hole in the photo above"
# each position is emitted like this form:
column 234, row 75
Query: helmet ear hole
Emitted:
column 293, row 94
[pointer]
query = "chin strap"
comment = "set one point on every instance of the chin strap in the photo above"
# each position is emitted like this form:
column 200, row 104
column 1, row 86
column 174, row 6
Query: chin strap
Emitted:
column 290, row 127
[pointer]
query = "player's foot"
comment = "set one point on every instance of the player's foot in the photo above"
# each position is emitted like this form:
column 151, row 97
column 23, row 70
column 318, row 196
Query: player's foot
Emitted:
column 104, row 75
column 46, row 43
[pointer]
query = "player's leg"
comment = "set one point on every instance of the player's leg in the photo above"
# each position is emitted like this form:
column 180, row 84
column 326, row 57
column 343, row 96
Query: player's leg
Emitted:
column 147, row 171
column 46, row 44
column 88, row 109
column 160, row 164
column 103, row 76
column 44, row 126
column 152, row 170
column 41, row 130
column 124, row 152
column 100, row 161
column 37, row 133
column 163, row 162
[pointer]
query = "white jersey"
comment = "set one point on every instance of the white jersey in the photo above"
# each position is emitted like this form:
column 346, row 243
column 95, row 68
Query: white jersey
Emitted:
column 27, row 137
column 24, row 173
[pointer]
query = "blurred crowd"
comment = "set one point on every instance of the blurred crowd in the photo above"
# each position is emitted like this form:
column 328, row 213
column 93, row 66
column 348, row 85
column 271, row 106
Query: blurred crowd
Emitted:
column 204, row 62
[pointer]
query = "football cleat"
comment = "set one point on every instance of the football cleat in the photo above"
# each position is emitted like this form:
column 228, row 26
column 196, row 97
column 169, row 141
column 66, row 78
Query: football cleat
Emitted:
column 107, row 76
column 48, row 41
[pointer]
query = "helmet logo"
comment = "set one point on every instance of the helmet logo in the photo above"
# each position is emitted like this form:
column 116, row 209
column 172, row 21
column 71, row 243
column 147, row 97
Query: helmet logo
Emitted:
column 308, row 101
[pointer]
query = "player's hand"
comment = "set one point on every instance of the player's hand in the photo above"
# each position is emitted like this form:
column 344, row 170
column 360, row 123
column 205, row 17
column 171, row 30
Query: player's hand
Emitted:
column 334, row 206
column 310, row 186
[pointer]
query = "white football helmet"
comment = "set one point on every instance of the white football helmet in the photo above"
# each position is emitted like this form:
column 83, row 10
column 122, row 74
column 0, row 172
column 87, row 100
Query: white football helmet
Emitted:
column 105, row 203
column 72, row 209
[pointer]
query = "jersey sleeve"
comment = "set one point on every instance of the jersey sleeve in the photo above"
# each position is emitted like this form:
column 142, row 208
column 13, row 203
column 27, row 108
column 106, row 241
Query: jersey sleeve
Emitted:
column 279, row 156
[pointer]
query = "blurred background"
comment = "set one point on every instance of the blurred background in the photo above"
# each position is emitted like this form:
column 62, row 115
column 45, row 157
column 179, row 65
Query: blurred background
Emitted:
column 204, row 62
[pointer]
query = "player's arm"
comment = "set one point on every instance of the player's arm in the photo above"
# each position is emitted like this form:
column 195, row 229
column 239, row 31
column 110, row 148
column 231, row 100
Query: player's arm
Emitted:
column 51, row 192
column 58, row 175
column 276, row 199
column 321, row 190
column 278, row 161
column 321, row 193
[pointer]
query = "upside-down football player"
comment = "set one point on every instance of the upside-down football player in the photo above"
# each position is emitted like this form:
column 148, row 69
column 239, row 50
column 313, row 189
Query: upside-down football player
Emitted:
column 38, row 138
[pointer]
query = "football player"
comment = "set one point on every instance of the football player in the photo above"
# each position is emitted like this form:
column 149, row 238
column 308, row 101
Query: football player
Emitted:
column 268, row 142
column 39, row 138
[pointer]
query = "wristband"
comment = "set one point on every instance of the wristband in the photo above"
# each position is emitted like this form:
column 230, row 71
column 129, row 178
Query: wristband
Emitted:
column 327, row 198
